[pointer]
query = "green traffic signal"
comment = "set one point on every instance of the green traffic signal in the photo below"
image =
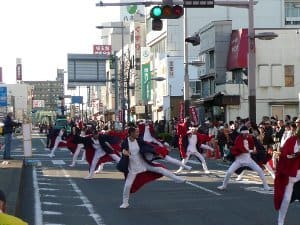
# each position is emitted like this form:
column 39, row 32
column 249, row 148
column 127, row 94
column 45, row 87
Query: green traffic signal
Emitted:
column 166, row 12
column 156, row 12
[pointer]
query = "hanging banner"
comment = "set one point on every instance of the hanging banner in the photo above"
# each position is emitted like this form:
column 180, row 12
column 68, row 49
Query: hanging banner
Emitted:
column 181, row 112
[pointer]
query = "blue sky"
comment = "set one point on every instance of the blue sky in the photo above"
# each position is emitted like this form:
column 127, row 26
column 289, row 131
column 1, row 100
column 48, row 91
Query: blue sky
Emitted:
column 42, row 32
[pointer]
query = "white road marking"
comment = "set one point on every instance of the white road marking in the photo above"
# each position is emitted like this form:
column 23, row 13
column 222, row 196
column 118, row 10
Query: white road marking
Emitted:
column 54, row 224
column 260, row 190
column 58, row 162
column 38, row 218
column 51, row 203
column 202, row 188
column 51, row 213
column 97, row 218
column 49, row 189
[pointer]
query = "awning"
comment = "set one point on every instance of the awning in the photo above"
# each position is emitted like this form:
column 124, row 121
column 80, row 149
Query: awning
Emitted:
column 238, row 50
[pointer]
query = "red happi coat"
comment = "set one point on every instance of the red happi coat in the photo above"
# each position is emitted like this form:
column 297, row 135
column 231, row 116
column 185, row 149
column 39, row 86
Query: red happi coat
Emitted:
column 238, row 148
column 285, row 168
column 90, row 152
column 162, row 151
column 182, row 129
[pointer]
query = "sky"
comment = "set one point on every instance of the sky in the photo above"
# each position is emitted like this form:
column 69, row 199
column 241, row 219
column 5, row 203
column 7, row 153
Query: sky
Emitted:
column 43, row 32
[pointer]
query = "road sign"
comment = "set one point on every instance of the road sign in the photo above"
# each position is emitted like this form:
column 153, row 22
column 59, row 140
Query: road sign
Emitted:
column 198, row 3
column 3, row 96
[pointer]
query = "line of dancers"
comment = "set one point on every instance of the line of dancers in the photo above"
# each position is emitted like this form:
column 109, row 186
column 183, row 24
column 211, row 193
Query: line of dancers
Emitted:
column 137, row 151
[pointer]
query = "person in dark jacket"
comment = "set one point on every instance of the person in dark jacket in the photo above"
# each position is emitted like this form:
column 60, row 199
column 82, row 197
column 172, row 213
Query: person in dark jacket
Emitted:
column 7, row 131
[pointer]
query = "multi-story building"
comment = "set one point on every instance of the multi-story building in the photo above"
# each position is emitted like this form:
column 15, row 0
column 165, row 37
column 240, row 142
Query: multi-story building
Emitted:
column 167, row 47
column 19, row 101
column 51, row 92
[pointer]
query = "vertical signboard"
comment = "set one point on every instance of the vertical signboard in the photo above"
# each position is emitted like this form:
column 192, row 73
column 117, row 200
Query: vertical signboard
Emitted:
column 3, row 96
column 18, row 69
column 146, row 76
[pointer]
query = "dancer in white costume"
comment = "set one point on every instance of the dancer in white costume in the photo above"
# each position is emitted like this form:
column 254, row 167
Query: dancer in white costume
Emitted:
column 193, row 141
column 60, row 138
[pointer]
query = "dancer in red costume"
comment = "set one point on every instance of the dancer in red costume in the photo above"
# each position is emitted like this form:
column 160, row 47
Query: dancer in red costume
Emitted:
column 138, row 170
column 60, row 138
column 98, row 151
column 192, row 143
column 147, row 133
column 243, row 146
column 287, row 180
column 78, row 139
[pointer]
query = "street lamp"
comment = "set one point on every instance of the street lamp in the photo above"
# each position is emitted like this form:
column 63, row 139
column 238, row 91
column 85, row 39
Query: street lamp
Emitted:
column 145, row 93
column 122, row 76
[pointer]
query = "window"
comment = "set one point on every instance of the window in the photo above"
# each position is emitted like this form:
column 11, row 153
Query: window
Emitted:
column 292, row 13
column 289, row 75
column 211, row 59
column 195, row 86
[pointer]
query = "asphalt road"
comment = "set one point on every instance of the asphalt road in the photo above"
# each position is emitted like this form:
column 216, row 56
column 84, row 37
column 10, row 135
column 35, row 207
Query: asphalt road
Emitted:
column 54, row 193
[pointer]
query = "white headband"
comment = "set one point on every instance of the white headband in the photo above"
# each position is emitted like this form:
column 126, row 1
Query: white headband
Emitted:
column 245, row 132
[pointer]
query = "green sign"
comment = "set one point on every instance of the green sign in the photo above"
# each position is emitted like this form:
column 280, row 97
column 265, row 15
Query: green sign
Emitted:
column 146, row 82
column 131, row 9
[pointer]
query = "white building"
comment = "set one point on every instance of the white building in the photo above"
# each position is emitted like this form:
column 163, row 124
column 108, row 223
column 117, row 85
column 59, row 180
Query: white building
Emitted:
column 167, row 45
column 19, row 100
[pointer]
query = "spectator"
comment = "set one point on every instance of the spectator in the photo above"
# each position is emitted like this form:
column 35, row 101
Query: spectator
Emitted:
column 5, row 218
column 7, row 131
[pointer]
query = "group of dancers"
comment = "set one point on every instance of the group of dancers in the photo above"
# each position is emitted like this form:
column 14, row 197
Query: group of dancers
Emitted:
column 136, row 152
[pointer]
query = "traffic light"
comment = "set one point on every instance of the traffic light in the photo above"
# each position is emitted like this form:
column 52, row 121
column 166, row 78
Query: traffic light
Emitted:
column 166, row 12
column 157, row 24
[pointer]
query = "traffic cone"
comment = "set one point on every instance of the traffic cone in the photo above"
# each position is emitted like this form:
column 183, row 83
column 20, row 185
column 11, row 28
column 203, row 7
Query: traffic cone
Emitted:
column 217, row 152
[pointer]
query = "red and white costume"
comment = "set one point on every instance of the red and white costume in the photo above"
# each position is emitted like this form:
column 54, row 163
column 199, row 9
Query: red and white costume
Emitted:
column 243, row 146
column 140, row 171
column 192, row 142
column 147, row 134
column 287, row 177
column 59, row 139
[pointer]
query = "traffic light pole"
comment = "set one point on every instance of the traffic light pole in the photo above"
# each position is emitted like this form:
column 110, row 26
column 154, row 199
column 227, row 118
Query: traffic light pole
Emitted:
column 186, row 87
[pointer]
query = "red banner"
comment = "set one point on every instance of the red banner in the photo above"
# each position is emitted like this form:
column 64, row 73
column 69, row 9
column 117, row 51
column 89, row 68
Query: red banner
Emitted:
column 194, row 115
column 181, row 112
column 121, row 116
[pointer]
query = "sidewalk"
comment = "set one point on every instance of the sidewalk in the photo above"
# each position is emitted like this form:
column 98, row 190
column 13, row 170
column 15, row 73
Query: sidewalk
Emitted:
column 11, row 183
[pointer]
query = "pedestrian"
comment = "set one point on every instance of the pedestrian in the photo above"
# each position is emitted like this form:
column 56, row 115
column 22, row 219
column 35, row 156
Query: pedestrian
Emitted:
column 6, row 219
column 243, row 146
column 7, row 132
column 137, row 169
column 287, row 180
